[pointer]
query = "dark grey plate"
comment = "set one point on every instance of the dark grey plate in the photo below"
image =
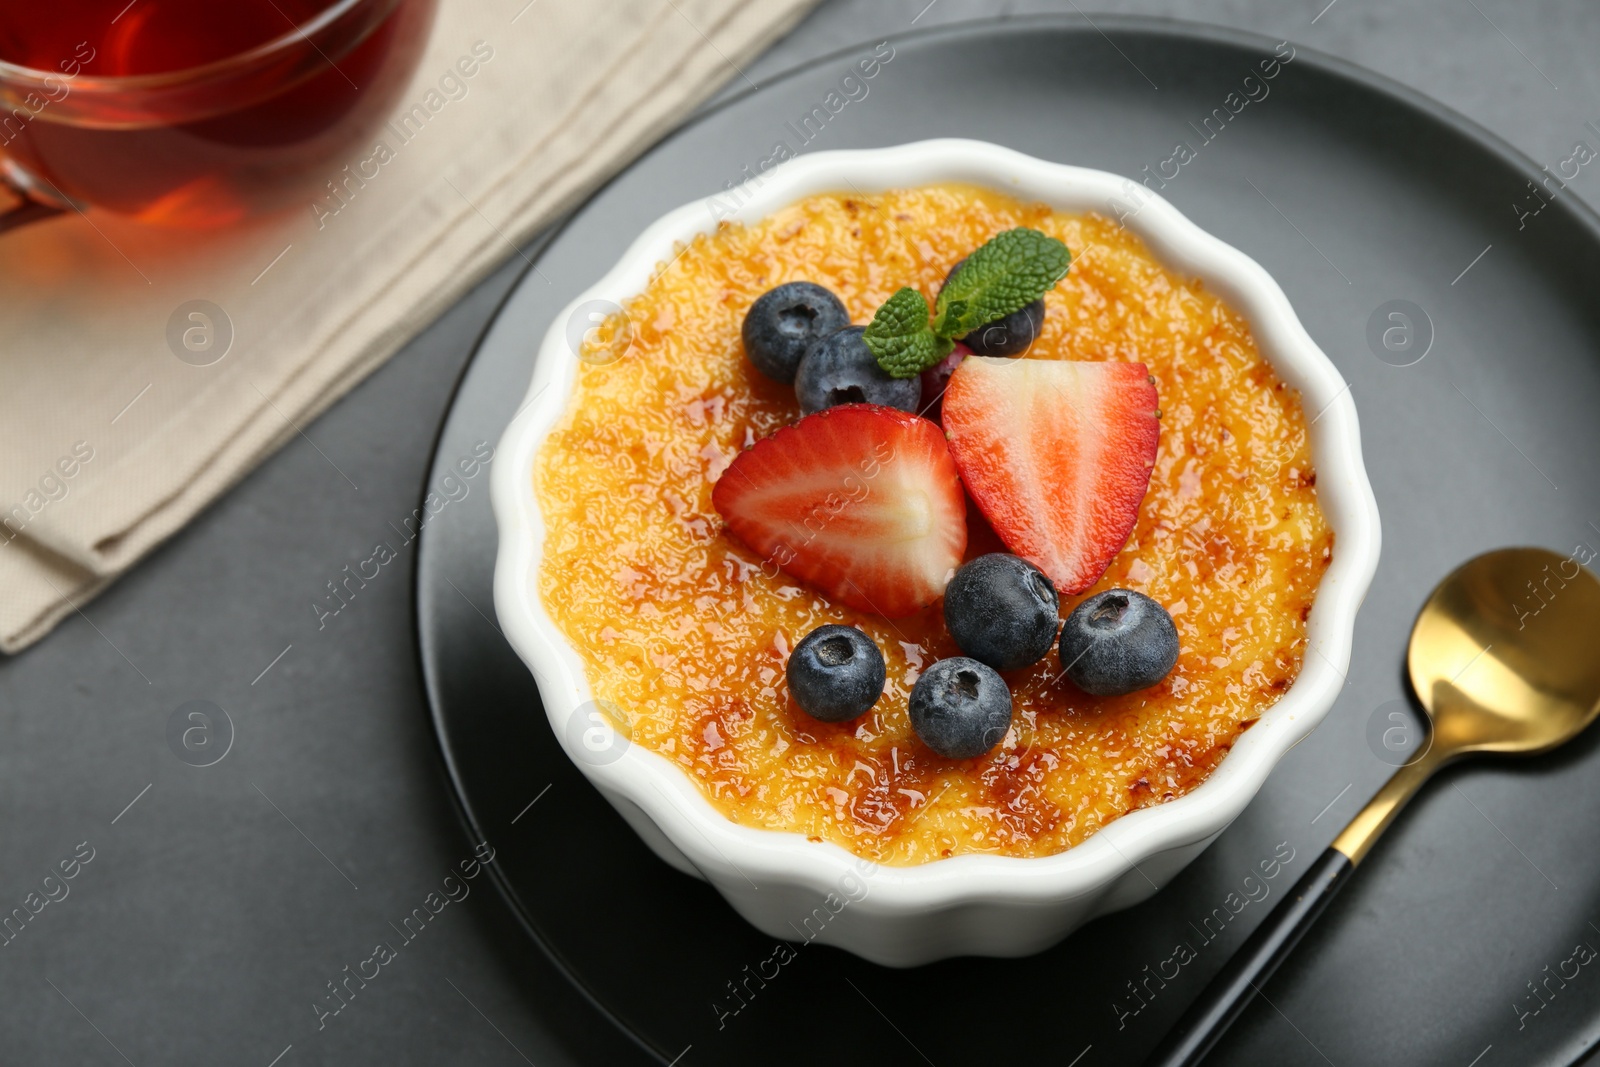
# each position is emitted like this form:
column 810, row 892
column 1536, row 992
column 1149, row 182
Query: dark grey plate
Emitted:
column 1354, row 193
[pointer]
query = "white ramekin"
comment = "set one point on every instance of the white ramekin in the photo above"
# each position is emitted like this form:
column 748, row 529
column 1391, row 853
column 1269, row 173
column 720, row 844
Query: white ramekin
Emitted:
column 986, row 905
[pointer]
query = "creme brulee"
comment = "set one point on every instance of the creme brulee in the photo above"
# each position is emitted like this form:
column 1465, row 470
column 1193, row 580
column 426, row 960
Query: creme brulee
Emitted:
column 685, row 631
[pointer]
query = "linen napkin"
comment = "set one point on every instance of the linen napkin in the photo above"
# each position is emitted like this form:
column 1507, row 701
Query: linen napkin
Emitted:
column 109, row 441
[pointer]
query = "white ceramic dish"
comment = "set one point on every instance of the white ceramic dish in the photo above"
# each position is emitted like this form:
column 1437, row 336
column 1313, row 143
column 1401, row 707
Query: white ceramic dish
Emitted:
column 973, row 904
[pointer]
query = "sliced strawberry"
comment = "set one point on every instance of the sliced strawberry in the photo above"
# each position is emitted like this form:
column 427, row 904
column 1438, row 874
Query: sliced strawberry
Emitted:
column 1057, row 455
column 861, row 501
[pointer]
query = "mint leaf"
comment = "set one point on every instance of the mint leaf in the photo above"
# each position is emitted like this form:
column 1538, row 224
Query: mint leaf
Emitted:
column 900, row 338
column 1010, row 271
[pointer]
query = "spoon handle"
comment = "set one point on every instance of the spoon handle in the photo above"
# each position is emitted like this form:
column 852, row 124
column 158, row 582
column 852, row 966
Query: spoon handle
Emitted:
column 1240, row 979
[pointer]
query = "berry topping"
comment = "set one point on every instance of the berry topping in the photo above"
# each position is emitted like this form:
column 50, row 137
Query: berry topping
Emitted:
column 836, row 673
column 937, row 377
column 960, row 708
column 1009, row 335
column 1057, row 455
column 861, row 501
column 1002, row 611
column 1117, row 642
column 783, row 322
column 840, row 369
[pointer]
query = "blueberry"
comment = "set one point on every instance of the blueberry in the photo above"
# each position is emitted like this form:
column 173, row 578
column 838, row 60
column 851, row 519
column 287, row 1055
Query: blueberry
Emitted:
column 1002, row 611
column 960, row 708
column 835, row 673
column 783, row 322
column 1009, row 336
column 1118, row 641
column 840, row 369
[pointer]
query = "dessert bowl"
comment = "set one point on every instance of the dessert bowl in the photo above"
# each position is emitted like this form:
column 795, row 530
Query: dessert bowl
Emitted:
column 973, row 904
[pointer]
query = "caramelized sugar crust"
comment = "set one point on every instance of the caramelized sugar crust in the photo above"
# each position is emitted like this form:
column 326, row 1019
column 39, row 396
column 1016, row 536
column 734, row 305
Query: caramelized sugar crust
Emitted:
column 684, row 631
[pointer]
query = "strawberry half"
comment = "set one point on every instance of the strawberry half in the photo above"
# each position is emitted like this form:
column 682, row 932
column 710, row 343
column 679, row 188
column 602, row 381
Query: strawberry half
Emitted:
column 861, row 501
column 1057, row 455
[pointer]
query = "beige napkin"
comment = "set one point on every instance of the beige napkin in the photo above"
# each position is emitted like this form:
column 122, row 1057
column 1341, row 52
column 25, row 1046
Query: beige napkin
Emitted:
column 109, row 442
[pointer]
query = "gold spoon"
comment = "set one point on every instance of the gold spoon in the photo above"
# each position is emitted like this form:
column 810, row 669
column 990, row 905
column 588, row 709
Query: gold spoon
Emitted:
column 1505, row 659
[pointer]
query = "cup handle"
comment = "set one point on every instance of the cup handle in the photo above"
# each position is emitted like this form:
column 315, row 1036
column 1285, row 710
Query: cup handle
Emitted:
column 24, row 207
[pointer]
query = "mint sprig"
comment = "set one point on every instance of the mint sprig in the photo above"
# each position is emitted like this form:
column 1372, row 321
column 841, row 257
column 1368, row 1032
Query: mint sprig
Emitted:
column 899, row 337
column 1007, row 273
column 1010, row 271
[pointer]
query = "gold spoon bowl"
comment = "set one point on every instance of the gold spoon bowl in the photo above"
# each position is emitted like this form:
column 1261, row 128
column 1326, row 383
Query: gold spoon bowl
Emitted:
column 1505, row 659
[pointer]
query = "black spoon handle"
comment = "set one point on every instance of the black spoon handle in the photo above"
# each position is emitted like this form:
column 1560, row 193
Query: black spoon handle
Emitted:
column 1209, row 1017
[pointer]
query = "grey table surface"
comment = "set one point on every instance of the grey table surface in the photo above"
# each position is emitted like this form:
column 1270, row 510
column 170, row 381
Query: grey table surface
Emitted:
column 220, row 901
